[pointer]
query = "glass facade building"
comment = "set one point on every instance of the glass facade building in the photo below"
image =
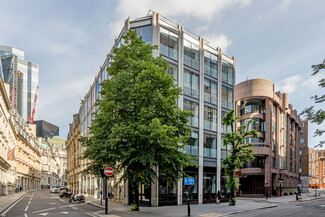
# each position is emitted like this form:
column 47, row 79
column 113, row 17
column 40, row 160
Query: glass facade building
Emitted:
column 23, row 78
column 207, row 77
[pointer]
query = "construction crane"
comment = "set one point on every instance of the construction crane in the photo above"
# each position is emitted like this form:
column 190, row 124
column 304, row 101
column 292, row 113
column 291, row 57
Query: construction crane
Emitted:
column 31, row 119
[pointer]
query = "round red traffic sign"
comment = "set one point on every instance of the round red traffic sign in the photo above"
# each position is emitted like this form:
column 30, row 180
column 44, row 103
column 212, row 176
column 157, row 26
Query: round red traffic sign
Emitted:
column 108, row 171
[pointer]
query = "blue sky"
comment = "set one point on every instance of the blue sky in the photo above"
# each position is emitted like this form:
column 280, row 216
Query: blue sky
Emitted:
column 273, row 39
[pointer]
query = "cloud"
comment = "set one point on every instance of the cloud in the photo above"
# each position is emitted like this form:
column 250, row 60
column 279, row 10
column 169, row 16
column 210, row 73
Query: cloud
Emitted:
column 289, row 84
column 281, row 7
column 312, row 81
column 221, row 41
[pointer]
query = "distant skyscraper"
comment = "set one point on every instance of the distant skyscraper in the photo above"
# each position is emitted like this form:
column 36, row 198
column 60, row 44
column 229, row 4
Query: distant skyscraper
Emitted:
column 22, row 76
column 45, row 129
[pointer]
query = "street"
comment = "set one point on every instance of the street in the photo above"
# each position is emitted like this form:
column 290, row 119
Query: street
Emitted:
column 43, row 203
column 296, row 209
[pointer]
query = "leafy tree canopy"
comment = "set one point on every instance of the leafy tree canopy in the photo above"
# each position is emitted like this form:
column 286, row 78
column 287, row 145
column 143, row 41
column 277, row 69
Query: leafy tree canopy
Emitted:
column 138, row 125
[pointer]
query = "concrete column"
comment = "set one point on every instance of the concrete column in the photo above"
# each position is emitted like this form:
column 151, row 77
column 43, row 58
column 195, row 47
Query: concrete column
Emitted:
column 155, row 33
column 181, row 98
column 219, row 140
column 201, row 116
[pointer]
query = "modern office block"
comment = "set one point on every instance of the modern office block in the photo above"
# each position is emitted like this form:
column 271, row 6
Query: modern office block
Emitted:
column 23, row 78
column 45, row 129
column 207, row 77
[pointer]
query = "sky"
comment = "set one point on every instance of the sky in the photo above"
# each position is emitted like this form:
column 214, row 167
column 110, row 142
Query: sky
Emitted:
column 273, row 39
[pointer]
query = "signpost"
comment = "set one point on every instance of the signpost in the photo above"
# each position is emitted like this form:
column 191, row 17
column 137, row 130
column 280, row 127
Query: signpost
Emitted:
column 105, row 173
column 188, row 182
column 266, row 188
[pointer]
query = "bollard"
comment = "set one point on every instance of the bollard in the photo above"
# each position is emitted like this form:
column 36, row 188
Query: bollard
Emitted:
column 188, row 207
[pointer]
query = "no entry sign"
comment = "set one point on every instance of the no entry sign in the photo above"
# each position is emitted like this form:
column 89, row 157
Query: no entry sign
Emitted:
column 108, row 171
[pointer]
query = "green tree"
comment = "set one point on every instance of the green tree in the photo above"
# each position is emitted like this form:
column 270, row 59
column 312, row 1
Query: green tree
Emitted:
column 240, row 154
column 316, row 116
column 138, row 125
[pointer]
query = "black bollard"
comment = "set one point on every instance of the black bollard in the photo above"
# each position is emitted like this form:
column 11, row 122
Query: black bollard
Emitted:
column 188, row 207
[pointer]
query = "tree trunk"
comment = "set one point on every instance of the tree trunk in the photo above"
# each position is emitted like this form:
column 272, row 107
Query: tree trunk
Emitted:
column 136, row 196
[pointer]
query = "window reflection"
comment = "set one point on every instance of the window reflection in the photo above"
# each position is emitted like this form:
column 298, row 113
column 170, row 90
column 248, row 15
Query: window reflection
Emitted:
column 210, row 146
column 210, row 91
column 227, row 73
column 194, row 108
column 210, row 64
column 210, row 118
column 191, row 84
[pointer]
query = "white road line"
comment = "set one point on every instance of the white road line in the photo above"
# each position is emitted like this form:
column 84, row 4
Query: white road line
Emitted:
column 26, row 208
column 29, row 202
column 25, row 215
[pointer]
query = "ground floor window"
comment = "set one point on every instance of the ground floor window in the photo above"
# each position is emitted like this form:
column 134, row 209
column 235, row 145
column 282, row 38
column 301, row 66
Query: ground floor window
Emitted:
column 167, row 191
column 191, row 190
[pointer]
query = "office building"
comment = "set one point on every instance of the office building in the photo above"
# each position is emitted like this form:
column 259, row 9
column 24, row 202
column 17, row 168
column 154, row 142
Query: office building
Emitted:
column 277, row 159
column 304, row 156
column 207, row 77
column 45, row 129
column 22, row 76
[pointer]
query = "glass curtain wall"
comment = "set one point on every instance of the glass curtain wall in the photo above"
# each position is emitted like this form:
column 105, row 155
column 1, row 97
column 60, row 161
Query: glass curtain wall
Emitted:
column 210, row 91
column 227, row 73
column 210, row 118
column 191, row 84
column 210, row 146
column 227, row 97
column 168, row 44
column 210, row 64
column 194, row 108
column 192, row 147
column 191, row 52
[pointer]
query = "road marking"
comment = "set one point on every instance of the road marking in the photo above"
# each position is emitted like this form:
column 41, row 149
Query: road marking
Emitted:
column 322, row 205
column 25, row 215
column 75, row 208
column 29, row 202
column 93, row 215
column 64, row 212
column 52, row 203
column 44, row 210
column 43, row 214
column 26, row 208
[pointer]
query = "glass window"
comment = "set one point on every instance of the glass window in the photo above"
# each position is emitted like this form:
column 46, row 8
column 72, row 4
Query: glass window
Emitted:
column 168, row 44
column 227, row 73
column 258, row 162
column 302, row 140
column 191, row 84
column 256, row 124
column 252, row 106
column 192, row 147
column 172, row 70
column 274, row 112
column 227, row 97
column 191, row 54
column 210, row 118
column 210, row 91
column 145, row 32
column 210, row 64
column 97, row 88
column 194, row 108
column 210, row 146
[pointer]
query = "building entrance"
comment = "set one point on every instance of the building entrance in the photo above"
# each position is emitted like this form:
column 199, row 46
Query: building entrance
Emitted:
column 252, row 184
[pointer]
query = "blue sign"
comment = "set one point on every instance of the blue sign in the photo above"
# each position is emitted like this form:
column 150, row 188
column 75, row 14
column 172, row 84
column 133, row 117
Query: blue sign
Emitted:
column 188, row 181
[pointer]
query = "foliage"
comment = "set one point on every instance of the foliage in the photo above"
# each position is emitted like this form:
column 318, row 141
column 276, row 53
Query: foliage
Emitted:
column 316, row 116
column 240, row 154
column 138, row 125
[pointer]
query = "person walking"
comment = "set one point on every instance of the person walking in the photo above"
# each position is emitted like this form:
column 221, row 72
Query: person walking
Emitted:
column 218, row 197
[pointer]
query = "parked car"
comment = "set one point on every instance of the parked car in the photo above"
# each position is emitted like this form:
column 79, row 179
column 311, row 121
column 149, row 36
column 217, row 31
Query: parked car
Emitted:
column 54, row 189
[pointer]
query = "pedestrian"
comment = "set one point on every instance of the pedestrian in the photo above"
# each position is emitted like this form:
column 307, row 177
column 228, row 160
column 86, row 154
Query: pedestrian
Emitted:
column 20, row 188
column 218, row 197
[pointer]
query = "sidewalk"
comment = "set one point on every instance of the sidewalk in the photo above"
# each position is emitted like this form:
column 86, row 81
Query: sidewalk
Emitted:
column 8, row 200
column 286, row 199
column 204, row 210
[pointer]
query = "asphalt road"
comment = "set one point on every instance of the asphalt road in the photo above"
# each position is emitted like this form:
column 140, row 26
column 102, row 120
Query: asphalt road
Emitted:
column 42, row 203
column 314, row 208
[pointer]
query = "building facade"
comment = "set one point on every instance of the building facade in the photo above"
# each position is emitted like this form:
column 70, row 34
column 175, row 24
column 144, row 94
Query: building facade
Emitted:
column 45, row 129
column 304, row 156
column 277, row 159
column 207, row 77
column 23, row 78
column 8, row 143
column 28, row 156
column 316, row 168
column 73, row 155
column 59, row 147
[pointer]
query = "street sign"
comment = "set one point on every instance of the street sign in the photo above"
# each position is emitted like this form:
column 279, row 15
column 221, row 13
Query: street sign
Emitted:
column 108, row 171
column 238, row 173
column 299, row 182
column 267, row 182
column 188, row 181
column 280, row 180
